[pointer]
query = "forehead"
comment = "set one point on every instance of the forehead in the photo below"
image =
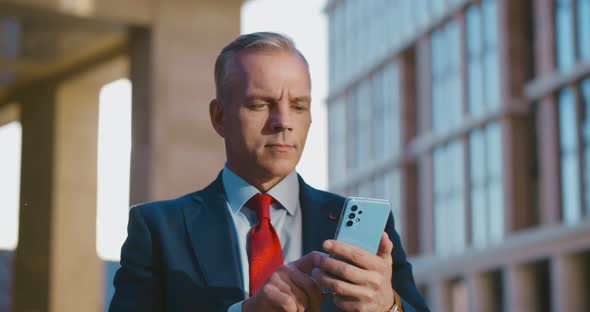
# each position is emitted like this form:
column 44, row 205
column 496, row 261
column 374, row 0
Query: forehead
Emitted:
column 270, row 71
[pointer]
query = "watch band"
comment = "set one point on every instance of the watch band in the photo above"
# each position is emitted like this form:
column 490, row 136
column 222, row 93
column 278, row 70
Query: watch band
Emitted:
column 395, row 307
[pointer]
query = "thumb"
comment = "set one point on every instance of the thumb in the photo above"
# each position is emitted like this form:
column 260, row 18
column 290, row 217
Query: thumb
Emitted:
column 385, row 247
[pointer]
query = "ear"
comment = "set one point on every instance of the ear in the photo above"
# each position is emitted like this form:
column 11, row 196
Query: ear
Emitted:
column 216, row 114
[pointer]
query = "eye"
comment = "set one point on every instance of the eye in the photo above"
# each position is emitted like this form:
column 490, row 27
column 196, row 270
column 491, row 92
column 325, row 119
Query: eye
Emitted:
column 300, row 108
column 258, row 106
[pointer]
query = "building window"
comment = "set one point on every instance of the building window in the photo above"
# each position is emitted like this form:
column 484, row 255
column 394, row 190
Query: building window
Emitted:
column 570, row 183
column 332, row 49
column 490, row 53
column 485, row 152
column 390, row 138
column 352, row 126
column 482, row 57
column 449, row 188
column 574, row 141
column 337, row 141
column 583, row 17
column 438, row 7
column 446, row 77
column 393, row 193
column 363, row 109
column 564, row 34
column 387, row 186
column 10, row 165
column 422, row 12
column 585, row 97
column 474, row 60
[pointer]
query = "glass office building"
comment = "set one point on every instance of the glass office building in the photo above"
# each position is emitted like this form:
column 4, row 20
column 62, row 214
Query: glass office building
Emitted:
column 473, row 118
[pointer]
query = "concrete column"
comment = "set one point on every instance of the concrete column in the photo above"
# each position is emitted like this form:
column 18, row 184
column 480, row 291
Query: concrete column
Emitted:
column 482, row 293
column 180, row 153
column 547, row 118
column 515, row 67
column 409, row 171
column 56, row 265
column 521, row 291
column 441, row 299
column 31, row 261
column 569, row 275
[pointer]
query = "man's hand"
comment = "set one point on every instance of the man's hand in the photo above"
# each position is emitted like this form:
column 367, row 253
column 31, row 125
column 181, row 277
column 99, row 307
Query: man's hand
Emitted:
column 364, row 286
column 289, row 288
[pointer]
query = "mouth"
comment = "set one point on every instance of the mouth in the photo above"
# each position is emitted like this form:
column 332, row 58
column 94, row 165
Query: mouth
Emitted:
column 280, row 147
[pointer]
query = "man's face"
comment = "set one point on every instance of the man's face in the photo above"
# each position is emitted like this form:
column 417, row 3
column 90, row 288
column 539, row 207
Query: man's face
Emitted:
column 266, row 113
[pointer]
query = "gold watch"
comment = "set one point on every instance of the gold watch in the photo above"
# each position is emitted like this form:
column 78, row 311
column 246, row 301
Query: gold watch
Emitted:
column 395, row 307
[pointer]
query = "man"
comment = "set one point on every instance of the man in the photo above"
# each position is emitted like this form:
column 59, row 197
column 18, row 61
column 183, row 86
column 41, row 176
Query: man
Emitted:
column 251, row 240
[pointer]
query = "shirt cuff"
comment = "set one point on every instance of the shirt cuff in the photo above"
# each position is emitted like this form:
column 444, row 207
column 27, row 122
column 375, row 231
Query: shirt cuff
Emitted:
column 236, row 307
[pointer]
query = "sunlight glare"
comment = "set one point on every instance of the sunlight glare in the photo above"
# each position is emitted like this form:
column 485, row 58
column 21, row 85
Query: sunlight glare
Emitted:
column 114, row 152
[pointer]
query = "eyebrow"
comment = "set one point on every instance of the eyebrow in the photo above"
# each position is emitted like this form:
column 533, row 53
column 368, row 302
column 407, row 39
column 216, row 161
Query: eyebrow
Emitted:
column 301, row 99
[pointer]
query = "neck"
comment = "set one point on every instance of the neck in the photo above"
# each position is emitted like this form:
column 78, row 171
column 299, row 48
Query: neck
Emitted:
column 260, row 182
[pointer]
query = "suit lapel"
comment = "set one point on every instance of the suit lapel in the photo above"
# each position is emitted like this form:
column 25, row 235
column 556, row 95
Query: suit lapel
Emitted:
column 320, row 216
column 213, row 238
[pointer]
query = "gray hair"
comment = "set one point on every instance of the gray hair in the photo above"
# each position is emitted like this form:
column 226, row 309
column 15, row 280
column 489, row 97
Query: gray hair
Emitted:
column 263, row 41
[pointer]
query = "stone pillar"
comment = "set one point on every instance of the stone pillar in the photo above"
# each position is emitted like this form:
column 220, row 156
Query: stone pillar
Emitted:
column 569, row 275
column 31, row 262
column 409, row 171
column 178, row 151
column 547, row 130
column 56, row 267
column 515, row 67
column 482, row 295
column 521, row 290
column 441, row 299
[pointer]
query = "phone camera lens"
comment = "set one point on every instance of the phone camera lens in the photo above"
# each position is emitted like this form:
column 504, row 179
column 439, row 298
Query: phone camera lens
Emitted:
column 349, row 223
column 360, row 212
column 354, row 208
column 351, row 216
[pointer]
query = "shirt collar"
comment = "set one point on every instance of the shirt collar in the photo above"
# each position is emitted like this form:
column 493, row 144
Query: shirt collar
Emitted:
column 238, row 191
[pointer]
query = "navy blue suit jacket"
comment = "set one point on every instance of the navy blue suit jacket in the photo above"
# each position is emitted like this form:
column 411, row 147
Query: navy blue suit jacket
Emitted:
column 181, row 254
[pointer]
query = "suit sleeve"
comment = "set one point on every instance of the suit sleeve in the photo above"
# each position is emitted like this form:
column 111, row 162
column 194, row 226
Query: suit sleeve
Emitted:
column 138, row 285
column 402, row 278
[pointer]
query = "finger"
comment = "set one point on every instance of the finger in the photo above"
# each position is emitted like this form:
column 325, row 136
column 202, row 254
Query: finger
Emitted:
column 356, row 255
column 343, row 270
column 305, row 283
column 277, row 298
column 385, row 247
column 306, row 263
column 283, row 282
column 338, row 286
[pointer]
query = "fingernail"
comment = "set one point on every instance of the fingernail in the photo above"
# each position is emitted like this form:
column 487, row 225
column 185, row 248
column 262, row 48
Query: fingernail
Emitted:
column 328, row 244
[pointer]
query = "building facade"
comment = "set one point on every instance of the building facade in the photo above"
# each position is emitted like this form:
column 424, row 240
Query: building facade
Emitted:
column 473, row 118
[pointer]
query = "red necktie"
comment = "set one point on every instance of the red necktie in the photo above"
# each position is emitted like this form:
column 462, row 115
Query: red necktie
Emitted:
column 265, row 246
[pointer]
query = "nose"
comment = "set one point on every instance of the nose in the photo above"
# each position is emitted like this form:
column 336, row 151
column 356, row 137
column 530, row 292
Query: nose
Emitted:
column 281, row 118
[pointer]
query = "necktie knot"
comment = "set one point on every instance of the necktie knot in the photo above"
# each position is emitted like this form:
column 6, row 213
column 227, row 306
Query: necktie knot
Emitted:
column 260, row 203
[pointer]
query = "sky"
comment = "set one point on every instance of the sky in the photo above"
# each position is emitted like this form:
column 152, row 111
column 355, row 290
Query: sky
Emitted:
column 304, row 22
column 10, row 141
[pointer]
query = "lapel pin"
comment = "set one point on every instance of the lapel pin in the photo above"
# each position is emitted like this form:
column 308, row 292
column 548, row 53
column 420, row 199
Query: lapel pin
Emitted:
column 333, row 216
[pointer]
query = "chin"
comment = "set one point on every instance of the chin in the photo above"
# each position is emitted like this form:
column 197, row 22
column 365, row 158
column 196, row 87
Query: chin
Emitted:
column 279, row 168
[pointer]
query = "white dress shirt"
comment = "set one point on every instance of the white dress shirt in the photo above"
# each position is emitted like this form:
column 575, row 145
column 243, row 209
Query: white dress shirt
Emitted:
column 285, row 217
